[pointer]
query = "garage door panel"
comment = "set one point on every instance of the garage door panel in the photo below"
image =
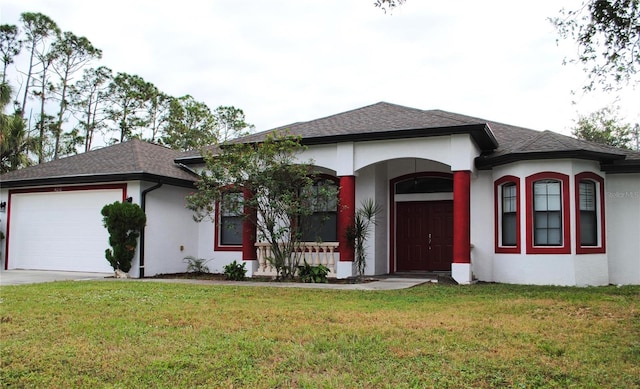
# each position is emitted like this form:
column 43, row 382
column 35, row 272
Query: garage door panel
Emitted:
column 60, row 230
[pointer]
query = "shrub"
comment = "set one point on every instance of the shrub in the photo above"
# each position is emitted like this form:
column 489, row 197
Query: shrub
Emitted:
column 196, row 265
column 315, row 274
column 124, row 221
column 234, row 271
column 358, row 233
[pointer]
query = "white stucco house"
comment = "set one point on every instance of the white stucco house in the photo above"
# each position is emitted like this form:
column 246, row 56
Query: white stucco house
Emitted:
column 479, row 199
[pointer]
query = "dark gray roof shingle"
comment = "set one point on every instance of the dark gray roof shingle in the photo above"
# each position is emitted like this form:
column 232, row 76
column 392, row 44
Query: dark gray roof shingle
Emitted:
column 134, row 159
column 512, row 141
column 380, row 117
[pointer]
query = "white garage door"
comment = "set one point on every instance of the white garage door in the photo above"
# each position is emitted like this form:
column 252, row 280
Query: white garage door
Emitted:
column 59, row 230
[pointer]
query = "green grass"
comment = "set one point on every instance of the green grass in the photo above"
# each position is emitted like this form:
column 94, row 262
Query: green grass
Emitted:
column 147, row 334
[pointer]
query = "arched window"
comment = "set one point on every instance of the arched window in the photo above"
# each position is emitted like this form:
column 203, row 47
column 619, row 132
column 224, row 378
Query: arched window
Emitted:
column 507, row 214
column 588, row 213
column 547, row 213
column 548, row 229
column 590, row 230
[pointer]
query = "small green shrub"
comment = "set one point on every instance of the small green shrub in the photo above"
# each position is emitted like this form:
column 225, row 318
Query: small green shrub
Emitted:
column 315, row 274
column 123, row 221
column 235, row 271
column 196, row 265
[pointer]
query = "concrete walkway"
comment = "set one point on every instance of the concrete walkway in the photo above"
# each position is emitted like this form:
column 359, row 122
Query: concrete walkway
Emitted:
column 385, row 283
column 19, row 277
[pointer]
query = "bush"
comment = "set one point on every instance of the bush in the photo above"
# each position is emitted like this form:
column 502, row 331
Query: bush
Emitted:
column 234, row 271
column 315, row 274
column 124, row 221
column 196, row 265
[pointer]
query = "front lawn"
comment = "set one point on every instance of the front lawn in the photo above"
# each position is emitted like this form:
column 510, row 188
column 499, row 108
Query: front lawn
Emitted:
column 148, row 334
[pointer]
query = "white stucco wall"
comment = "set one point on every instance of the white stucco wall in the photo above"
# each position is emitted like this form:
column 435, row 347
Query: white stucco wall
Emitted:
column 218, row 259
column 170, row 234
column 622, row 195
column 380, row 233
column 482, row 226
column 372, row 183
column 455, row 151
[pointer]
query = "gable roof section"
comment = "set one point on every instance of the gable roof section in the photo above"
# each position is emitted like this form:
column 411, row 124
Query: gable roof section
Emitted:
column 131, row 160
column 384, row 121
column 379, row 121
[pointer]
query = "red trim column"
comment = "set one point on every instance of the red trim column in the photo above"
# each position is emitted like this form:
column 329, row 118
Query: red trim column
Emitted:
column 346, row 215
column 462, row 216
column 249, row 230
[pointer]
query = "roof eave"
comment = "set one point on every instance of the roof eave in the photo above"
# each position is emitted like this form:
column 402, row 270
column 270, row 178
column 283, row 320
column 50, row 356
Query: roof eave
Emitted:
column 98, row 178
column 623, row 166
column 488, row 162
column 481, row 134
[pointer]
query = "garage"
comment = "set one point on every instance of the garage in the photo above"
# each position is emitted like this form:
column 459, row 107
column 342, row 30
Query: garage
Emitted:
column 59, row 228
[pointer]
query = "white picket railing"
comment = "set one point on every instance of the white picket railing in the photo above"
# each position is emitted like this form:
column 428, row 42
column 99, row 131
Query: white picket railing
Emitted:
column 314, row 253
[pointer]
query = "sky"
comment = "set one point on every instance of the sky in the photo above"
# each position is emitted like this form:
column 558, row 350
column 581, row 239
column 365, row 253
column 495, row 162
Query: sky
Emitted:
column 284, row 61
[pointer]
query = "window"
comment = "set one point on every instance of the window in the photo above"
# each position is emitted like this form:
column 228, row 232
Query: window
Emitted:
column 589, row 213
column 322, row 224
column 548, row 229
column 547, row 208
column 588, row 219
column 507, row 215
column 230, row 219
column 427, row 184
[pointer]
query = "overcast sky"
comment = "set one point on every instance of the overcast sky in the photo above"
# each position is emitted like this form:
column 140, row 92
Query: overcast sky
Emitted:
column 284, row 61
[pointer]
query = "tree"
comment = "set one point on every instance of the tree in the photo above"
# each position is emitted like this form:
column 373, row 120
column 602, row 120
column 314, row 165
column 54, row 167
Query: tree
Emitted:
column 278, row 192
column 388, row 5
column 157, row 112
column 604, row 127
column 190, row 125
column 124, row 221
column 10, row 47
column 88, row 97
column 230, row 123
column 608, row 36
column 72, row 53
column 14, row 142
column 45, row 87
column 127, row 95
column 37, row 28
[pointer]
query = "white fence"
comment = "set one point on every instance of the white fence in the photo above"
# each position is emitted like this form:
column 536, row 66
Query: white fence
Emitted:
column 314, row 253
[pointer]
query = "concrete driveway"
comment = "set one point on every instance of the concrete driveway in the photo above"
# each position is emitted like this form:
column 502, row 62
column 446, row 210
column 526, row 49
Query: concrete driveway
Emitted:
column 18, row 277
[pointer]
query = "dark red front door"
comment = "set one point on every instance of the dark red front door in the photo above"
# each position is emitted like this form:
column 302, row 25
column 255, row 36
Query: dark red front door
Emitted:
column 424, row 235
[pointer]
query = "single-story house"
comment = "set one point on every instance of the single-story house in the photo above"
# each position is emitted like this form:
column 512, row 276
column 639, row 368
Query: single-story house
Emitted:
column 479, row 199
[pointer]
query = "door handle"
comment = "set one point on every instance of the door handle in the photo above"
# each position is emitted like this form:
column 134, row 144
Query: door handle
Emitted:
column 429, row 241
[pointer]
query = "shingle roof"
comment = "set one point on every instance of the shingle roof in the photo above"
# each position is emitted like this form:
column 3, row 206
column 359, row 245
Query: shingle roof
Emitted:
column 513, row 142
column 131, row 160
column 380, row 117
column 501, row 143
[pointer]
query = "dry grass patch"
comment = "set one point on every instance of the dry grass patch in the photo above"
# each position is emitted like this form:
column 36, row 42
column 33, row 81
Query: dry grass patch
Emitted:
column 134, row 334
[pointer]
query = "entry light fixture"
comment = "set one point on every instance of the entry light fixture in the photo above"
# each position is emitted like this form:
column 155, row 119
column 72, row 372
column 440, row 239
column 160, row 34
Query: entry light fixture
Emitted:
column 3, row 206
column 129, row 199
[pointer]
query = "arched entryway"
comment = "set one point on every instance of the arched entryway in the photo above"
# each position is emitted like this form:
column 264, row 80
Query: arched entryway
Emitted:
column 422, row 222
